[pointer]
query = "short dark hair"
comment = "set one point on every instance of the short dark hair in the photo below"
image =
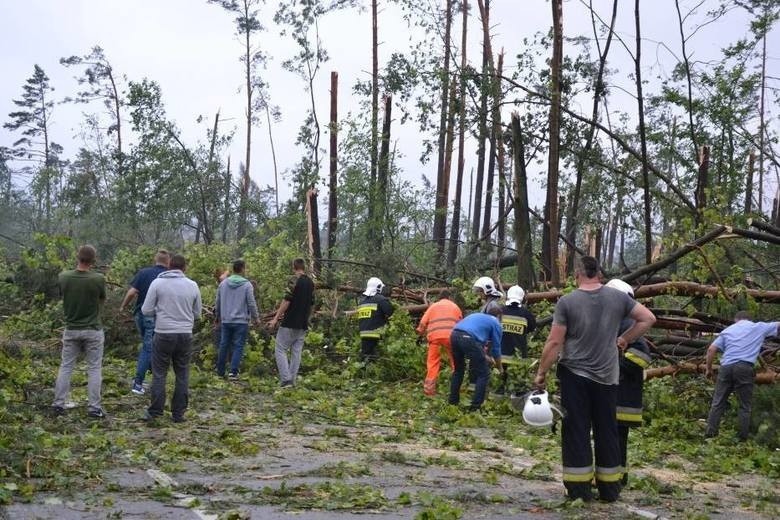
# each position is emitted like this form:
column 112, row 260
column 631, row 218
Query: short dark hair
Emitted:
column 162, row 257
column 742, row 315
column 299, row 264
column 178, row 262
column 445, row 294
column 239, row 266
column 589, row 266
column 86, row 254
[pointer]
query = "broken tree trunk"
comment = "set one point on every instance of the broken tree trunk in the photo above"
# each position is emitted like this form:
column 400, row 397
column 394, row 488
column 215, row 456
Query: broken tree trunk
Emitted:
column 763, row 226
column 764, row 377
column 676, row 255
column 313, row 222
column 333, row 201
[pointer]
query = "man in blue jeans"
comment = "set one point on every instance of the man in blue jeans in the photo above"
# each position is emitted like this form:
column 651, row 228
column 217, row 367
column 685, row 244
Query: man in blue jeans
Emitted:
column 470, row 340
column 740, row 343
column 145, row 324
column 234, row 309
column 174, row 301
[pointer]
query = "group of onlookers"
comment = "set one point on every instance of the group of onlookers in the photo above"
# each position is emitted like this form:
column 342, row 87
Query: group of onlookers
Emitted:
column 595, row 339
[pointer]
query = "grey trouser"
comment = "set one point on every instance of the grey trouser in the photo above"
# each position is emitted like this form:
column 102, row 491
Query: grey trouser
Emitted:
column 289, row 341
column 167, row 350
column 74, row 342
column 738, row 378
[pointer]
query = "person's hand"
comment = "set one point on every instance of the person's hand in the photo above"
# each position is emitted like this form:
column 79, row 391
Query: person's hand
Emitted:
column 540, row 381
column 709, row 374
column 622, row 344
column 490, row 360
column 274, row 322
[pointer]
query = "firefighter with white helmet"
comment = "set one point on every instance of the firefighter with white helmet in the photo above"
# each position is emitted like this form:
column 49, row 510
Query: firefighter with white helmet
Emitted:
column 373, row 311
column 486, row 288
column 633, row 362
column 516, row 322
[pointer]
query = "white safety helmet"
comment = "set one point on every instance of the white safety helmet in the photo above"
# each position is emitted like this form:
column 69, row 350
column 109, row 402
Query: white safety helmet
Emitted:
column 515, row 294
column 373, row 286
column 620, row 285
column 537, row 410
column 485, row 285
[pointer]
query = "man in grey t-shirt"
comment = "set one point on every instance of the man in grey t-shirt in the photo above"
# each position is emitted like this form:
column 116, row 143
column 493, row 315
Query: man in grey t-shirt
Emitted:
column 585, row 333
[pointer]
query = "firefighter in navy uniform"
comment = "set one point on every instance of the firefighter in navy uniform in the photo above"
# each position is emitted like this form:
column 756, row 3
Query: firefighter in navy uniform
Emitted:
column 516, row 322
column 373, row 311
column 631, row 381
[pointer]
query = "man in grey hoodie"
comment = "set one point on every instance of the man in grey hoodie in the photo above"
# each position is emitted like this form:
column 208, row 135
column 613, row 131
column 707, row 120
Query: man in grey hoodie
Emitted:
column 174, row 302
column 234, row 309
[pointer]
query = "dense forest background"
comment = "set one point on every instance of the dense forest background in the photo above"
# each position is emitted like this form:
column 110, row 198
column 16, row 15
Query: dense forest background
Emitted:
column 627, row 171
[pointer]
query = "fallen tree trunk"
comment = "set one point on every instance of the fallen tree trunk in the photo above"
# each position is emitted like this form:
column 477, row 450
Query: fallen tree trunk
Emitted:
column 756, row 235
column 696, row 289
column 762, row 378
column 763, row 226
column 674, row 256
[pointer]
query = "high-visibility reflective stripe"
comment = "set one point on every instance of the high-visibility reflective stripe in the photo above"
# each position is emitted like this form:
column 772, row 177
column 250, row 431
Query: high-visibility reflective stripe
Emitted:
column 440, row 328
column 374, row 333
column 513, row 324
column 638, row 357
column 629, row 417
column 583, row 474
column 609, row 474
column 451, row 320
column 365, row 310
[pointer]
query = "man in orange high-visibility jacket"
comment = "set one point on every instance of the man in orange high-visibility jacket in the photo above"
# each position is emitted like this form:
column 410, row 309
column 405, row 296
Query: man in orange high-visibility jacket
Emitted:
column 438, row 322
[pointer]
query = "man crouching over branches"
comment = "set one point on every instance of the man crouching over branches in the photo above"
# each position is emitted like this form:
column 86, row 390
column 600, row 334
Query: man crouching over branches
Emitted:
column 585, row 334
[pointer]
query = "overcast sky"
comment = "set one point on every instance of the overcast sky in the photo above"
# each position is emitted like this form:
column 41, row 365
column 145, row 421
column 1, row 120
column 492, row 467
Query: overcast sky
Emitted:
column 189, row 48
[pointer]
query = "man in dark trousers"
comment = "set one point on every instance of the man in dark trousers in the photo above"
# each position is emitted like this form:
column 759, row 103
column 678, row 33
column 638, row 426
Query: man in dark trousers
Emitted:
column 477, row 337
column 145, row 324
column 294, row 312
column 373, row 311
column 234, row 308
column 516, row 322
column 174, row 301
column 633, row 362
column 83, row 293
column 740, row 344
column 585, row 333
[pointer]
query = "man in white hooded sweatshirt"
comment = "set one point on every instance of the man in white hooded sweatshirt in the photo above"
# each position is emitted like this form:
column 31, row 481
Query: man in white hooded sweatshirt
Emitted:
column 174, row 301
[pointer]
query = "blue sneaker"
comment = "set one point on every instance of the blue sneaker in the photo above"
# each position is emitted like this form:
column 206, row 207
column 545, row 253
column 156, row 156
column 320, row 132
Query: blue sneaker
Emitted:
column 138, row 388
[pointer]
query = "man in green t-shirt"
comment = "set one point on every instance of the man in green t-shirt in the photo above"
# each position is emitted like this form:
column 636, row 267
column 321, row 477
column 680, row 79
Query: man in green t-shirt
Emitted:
column 83, row 292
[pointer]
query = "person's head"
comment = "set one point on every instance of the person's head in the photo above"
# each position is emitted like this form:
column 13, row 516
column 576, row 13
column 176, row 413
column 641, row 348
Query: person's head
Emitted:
column 178, row 262
column 515, row 295
column 742, row 315
column 162, row 257
column 485, row 287
column 299, row 265
column 86, row 255
column 239, row 266
column 495, row 311
column 445, row 294
column 374, row 286
column 588, row 268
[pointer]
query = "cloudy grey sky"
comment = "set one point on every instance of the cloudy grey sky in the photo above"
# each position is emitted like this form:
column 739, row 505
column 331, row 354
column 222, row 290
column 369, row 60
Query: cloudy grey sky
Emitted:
column 189, row 48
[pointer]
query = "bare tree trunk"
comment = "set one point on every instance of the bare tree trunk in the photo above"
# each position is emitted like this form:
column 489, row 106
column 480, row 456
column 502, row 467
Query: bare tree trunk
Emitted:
column 484, row 8
column 440, row 216
column 702, row 180
column 499, row 133
column 245, row 177
column 118, row 118
column 273, row 155
column 455, row 226
column 749, row 183
column 313, row 222
column 522, row 224
column 374, row 114
column 598, row 92
column 643, row 138
column 226, row 208
column 550, row 255
column 383, row 171
column 686, row 63
column 332, row 201
column 761, row 127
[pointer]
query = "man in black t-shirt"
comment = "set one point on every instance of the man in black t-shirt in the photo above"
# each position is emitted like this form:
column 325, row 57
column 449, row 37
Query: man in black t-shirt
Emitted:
column 294, row 312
